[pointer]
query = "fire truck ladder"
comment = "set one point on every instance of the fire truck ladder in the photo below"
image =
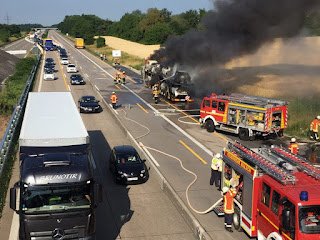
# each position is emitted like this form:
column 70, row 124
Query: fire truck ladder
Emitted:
column 297, row 161
column 266, row 165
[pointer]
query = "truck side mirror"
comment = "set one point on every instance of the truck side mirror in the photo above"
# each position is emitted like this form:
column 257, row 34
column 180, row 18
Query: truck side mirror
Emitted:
column 286, row 219
column 13, row 198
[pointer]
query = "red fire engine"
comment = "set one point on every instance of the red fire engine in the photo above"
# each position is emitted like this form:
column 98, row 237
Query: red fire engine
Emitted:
column 245, row 115
column 279, row 196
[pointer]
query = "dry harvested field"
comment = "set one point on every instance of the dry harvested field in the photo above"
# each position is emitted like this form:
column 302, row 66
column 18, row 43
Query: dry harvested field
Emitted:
column 283, row 67
column 132, row 48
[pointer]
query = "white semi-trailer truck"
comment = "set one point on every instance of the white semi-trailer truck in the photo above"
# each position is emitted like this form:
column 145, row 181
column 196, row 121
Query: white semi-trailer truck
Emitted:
column 57, row 189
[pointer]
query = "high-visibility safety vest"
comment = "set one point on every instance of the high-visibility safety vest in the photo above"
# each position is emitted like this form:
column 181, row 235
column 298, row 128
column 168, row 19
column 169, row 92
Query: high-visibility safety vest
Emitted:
column 314, row 126
column 294, row 148
column 114, row 98
column 219, row 165
column 228, row 201
column 123, row 75
column 214, row 163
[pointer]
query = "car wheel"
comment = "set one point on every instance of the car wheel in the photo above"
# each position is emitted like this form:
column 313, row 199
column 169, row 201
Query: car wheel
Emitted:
column 244, row 134
column 209, row 125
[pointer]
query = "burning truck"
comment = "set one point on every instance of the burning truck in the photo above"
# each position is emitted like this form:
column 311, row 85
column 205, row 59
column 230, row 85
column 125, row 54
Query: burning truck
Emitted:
column 174, row 85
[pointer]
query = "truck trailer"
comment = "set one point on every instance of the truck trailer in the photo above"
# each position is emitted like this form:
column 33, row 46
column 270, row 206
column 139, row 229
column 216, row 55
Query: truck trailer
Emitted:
column 245, row 115
column 48, row 44
column 79, row 43
column 278, row 196
column 56, row 186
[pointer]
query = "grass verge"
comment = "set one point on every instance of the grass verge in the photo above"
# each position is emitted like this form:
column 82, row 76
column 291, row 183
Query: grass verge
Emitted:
column 301, row 113
column 8, row 98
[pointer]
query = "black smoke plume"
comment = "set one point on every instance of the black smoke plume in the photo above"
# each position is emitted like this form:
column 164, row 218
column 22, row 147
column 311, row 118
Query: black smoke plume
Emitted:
column 235, row 28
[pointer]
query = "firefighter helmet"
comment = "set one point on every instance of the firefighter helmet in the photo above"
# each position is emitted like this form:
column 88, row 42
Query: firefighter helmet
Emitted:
column 293, row 140
column 318, row 117
column 225, row 189
column 218, row 155
column 113, row 93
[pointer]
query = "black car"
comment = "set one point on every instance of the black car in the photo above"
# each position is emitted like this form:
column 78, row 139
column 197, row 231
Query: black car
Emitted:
column 49, row 66
column 127, row 166
column 89, row 104
column 49, row 60
column 76, row 79
column 63, row 55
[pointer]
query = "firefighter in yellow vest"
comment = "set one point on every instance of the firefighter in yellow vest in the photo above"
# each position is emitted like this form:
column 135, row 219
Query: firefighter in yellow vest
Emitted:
column 293, row 147
column 314, row 129
column 215, row 174
column 123, row 77
column 114, row 100
column 228, row 195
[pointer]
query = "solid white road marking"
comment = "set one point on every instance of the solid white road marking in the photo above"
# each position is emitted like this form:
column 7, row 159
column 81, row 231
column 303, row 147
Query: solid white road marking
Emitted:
column 41, row 75
column 96, row 87
column 149, row 154
column 14, row 230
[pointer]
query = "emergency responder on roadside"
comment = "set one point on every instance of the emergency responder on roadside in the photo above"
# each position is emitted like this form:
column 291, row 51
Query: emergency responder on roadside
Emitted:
column 115, row 79
column 294, row 147
column 123, row 77
column 215, row 174
column 114, row 100
column 314, row 128
column 228, row 195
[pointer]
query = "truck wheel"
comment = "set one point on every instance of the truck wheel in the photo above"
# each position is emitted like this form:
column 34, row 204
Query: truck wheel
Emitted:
column 237, row 220
column 210, row 125
column 244, row 134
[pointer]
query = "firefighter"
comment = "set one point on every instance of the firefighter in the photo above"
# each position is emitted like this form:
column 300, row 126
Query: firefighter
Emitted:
column 293, row 147
column 314, row 129
column 101, row 56
column 116, row 77
column 215, row 174
column 123, row 77
column 228, row 195
column 114, row 100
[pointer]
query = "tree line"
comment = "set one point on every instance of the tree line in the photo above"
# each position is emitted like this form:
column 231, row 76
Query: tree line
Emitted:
column 152, row 27
column 7, row 31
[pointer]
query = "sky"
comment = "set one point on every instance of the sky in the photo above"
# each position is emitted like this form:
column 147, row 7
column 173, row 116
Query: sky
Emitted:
column 52, row 12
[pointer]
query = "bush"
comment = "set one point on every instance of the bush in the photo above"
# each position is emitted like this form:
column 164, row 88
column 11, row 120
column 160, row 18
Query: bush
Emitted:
column 15, row 85
column 45, row 35
column 88, row 39
column 101, row 42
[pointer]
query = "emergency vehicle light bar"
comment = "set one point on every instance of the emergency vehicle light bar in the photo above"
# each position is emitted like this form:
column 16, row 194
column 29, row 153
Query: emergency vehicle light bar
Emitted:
column 266, row 165
column 297, row 161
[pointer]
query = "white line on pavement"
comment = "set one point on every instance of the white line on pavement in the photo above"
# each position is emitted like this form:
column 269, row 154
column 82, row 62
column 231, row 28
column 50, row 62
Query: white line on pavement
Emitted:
column 14, row 230
column 97, row 87
column 149, row 154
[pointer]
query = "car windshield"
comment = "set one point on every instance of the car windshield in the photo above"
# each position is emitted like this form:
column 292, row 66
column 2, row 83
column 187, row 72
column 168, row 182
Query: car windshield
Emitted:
column 49, row 71
column 75, row 76
column 88, row 99
column 128, row 158
column 309, row 219
column 70, row 65
column 49, row 60
column 56, row 199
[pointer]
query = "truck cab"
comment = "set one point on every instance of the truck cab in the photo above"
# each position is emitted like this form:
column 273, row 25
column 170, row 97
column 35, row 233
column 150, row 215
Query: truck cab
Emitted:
column 56, row 196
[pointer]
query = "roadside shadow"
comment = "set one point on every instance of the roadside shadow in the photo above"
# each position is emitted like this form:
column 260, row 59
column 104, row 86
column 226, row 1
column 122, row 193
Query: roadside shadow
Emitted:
column 114, row 210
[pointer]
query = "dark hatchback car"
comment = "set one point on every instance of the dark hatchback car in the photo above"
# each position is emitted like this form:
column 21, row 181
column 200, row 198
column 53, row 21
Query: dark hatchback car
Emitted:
column 76, row 79
column 49, row 60
column 49, row 66
column 127, row 166
column 89, row 104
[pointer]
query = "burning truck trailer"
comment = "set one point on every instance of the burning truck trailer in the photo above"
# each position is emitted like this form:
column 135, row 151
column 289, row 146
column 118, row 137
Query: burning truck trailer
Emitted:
column 174, row 85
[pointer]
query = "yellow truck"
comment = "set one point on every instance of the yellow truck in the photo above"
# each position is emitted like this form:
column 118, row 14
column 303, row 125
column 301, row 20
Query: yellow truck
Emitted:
column 79, row 43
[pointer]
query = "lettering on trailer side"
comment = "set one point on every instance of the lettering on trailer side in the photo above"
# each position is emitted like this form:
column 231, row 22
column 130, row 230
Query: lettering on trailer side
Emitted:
column 239, row 162
column 59, row 177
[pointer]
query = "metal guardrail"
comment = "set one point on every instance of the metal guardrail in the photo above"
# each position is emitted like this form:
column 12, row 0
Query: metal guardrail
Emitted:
column 18, row 112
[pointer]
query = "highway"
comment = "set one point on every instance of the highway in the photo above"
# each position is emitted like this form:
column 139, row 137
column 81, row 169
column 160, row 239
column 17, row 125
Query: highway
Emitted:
column 194, row 146
column 127, row 212
column 20, row 44
column 142, row 211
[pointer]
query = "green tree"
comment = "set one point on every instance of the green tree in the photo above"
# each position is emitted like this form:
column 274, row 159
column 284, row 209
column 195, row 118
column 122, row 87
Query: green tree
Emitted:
column 158, row 34
column 152, row 18
column 101, row 42
column 312, row 23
